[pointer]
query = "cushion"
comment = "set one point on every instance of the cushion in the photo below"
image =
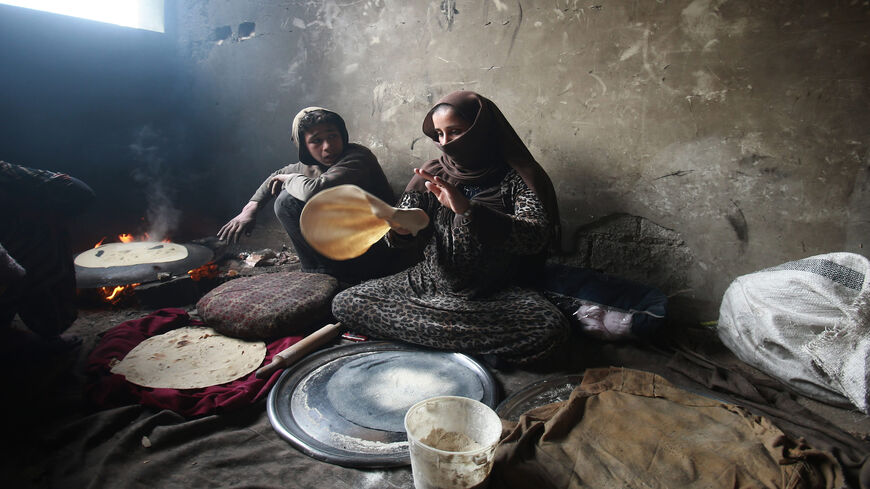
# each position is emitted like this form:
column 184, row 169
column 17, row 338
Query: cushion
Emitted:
column 268, row 306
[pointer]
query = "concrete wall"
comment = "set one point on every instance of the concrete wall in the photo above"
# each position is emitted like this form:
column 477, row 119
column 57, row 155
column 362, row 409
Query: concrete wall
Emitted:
column 109, row 105
column 690, row 141
column 736, row 128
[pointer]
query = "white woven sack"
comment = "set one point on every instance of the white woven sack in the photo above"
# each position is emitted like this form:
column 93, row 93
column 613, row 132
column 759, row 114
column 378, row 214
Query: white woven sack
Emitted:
column 805, row 322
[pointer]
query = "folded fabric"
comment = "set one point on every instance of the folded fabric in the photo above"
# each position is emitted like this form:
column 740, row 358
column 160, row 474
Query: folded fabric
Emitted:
column 105, row 389
column 627, row 428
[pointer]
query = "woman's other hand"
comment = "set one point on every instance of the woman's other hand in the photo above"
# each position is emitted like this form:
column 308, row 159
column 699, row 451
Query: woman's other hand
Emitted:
column 446, row 193
column 243, row 223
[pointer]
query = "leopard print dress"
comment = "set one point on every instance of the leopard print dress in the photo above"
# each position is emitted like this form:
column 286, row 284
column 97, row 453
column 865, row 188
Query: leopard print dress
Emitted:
column 461, row 296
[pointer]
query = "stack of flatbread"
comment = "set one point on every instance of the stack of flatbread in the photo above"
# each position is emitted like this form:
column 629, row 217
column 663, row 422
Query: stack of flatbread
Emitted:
column 190, row 358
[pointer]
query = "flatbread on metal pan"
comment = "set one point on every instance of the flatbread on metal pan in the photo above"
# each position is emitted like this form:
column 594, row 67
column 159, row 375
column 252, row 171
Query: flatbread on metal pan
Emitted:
column 190, row 358
column 133, row 253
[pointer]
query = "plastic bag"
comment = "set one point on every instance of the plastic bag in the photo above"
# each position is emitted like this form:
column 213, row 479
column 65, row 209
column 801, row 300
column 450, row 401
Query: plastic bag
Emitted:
column 806, row 323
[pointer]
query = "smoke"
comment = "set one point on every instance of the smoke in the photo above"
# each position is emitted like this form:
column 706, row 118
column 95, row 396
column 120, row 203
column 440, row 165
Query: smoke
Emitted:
column 161, row 216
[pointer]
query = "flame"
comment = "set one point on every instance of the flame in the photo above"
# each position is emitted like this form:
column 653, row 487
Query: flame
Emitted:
column 129, row 238
column 115, row 294
column 209, row 270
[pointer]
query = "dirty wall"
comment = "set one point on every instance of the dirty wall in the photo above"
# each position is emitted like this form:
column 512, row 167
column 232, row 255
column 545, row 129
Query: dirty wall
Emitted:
column 690, row 141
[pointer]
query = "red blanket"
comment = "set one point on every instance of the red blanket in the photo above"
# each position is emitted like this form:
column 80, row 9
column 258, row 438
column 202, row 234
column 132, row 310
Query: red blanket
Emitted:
column 106, row 389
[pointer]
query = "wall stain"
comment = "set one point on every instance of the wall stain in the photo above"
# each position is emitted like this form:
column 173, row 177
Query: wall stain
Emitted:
column 516, row 29
column 448, row 8
column 415, row 141
column 678, row 173
column 738, row 222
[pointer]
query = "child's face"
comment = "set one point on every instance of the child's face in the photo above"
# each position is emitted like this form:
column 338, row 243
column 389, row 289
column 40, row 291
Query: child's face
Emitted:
column 324, row 143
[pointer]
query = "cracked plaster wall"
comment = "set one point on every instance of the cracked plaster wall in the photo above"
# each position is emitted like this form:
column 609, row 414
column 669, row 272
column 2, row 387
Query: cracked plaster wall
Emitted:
column 690, row 141
column 740, row 126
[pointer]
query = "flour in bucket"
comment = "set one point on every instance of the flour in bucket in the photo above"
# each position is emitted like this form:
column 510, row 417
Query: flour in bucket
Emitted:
column 452, row 442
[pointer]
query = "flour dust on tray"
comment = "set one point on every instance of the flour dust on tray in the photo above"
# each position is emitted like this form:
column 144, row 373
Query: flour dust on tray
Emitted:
column 190, row 358
column 375, row 391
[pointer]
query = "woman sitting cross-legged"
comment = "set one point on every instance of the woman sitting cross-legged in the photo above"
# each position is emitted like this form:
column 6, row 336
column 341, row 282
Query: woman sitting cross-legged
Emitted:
column 493, row 215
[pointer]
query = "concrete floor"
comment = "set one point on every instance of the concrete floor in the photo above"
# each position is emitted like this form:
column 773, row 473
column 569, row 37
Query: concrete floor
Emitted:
column 50, row 387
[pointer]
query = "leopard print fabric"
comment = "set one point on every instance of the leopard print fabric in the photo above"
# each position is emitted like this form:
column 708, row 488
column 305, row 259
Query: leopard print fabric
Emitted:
column 461, row 296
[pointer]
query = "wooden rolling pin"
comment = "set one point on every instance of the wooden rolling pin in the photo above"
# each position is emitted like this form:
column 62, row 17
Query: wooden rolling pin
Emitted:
column 289, row 356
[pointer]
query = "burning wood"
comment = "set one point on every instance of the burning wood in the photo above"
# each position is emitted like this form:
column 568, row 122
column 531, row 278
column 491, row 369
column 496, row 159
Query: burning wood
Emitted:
column 209, row 270
column 113, row 295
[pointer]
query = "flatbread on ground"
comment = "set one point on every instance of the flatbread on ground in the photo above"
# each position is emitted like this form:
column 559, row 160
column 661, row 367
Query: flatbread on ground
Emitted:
column 133, row 253
column 190, row 358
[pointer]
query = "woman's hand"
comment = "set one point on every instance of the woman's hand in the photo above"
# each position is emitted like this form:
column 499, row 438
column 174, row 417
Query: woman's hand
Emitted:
column 276, row 183
column 446, row 193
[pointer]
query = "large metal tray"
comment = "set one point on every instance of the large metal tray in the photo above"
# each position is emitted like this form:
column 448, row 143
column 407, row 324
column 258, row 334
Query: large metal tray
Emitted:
column 300, row 411
column 540, row 393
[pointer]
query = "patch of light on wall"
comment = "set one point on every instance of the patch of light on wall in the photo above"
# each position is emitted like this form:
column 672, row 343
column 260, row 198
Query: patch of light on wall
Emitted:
column 140, row 14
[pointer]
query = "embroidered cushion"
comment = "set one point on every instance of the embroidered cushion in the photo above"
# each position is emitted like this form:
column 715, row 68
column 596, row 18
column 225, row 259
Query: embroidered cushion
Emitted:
column 268, row 306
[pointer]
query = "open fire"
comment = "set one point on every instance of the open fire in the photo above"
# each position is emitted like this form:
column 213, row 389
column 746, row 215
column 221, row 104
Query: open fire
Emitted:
column 209, row 270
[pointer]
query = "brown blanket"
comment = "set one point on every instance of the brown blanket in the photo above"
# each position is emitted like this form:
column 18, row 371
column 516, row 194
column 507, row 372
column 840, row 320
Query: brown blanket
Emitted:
column 627, row 428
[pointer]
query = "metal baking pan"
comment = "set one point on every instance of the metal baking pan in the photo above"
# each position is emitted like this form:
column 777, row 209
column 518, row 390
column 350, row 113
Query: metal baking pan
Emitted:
column 89, row 278
column 540, row 393
column 305, row 410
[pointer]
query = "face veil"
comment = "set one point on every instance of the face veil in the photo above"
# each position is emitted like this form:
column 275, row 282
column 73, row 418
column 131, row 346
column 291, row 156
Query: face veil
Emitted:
column 484, row 151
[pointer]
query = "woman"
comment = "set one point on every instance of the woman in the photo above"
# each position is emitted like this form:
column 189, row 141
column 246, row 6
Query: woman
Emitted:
column 492, row 212
column 326, row 159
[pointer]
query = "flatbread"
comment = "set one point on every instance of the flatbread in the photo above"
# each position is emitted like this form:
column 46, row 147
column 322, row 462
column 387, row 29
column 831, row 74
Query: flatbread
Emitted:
column 343, row 222
column 133, row 253
column 190, row 358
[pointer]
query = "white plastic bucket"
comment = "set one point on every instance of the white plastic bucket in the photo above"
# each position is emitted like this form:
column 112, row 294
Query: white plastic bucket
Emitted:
column 452, row 442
